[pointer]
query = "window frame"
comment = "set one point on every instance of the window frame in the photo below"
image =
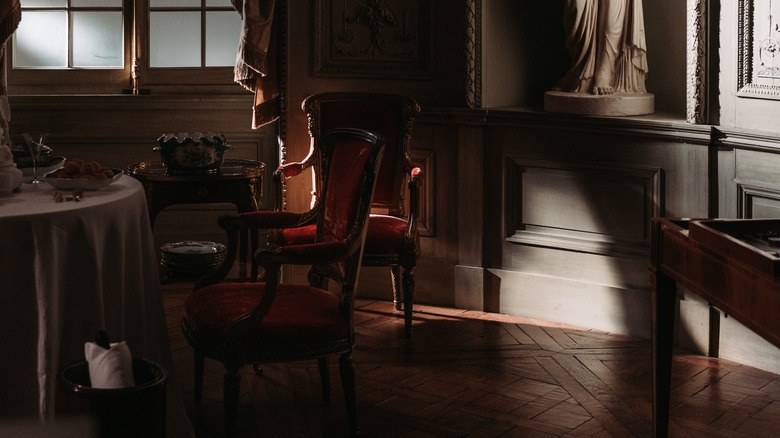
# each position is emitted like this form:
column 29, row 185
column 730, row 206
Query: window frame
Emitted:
column 174, row 76
column 131, row 79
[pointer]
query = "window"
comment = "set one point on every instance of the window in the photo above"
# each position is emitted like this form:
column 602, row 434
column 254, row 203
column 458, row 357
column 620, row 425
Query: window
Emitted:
column 101, row 46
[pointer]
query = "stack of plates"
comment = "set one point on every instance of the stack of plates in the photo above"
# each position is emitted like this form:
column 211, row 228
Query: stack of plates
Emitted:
column 191, row 257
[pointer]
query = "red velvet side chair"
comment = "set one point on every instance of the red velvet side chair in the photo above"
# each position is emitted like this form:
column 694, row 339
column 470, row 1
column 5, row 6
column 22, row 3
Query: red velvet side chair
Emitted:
column 241, row 323
column 392, row 239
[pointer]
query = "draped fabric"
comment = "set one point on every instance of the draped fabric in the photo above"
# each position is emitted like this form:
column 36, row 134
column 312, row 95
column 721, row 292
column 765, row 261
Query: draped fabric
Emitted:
column 10, row 16
column 606, row 42
column 580, row 20
column 256, row 66
column 630, row 71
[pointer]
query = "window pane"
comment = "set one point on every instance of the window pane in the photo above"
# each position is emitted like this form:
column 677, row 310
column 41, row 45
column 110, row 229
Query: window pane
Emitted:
column 41, row 40
column 98, row 3
column 223, row 30
column 176, row 3
column 97, row 39
column 213, row 3
column 174, row 39
column 43, row 3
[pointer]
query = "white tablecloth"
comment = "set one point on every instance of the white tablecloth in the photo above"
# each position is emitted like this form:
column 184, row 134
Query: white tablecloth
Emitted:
column 68, row 269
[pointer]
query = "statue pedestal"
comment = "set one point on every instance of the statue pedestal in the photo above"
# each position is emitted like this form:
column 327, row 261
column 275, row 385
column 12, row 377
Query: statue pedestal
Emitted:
column 618, row 104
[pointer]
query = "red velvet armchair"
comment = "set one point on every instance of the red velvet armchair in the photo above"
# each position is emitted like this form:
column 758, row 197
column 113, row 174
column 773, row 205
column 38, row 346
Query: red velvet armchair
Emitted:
column 392, row 239
column 241, row 322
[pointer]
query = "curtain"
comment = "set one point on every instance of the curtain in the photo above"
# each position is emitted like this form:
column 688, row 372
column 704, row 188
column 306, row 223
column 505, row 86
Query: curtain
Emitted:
column 10, row 16
column 256, row 66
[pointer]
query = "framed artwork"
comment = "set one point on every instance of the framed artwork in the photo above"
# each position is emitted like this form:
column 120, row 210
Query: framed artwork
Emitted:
column 373, row 38
column 759, row 49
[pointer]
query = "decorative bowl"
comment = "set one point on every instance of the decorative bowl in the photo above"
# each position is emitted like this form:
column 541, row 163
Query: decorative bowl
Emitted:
column 187, row 153
column 54, row 179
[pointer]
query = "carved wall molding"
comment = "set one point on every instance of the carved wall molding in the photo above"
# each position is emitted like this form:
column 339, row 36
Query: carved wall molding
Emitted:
column 425, row 159
column 697, row 41
column 747, row 140
column 744, row 70
column 750, row 196
column 473, row 9
column 374, row 38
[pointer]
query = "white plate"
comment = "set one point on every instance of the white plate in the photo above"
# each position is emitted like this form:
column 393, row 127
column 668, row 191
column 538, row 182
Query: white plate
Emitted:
column 80, row 183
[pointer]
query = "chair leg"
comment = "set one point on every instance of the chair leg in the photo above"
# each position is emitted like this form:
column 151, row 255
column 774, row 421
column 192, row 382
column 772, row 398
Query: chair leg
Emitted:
column 198, row 361
column 347, row 369
column 408, row 299
column 324, row 367
column 231, row 390
column 395, row 277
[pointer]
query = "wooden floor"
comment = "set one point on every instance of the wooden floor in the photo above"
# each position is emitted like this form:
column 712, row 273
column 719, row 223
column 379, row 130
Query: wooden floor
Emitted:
column 484, row 375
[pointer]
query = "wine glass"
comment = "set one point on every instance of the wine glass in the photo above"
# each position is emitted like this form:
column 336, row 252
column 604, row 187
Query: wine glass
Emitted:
column 35, row 144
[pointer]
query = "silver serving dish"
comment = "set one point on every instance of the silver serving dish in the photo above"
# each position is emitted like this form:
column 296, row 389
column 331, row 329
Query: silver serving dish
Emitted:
column 60, row 181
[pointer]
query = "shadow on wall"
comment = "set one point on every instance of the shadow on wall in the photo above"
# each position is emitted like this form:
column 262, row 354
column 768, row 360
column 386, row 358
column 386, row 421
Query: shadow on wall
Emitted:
column 522, row 51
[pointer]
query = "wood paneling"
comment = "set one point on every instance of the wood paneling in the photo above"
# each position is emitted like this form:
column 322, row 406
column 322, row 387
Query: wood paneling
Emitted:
column 121, row 130
column 601, row 209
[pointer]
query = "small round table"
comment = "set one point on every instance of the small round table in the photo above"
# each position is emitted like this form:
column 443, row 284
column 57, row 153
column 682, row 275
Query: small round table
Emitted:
column 237, row 182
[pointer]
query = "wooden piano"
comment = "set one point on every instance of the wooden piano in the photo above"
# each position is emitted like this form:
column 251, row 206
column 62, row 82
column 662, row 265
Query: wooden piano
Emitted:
column 733, row 264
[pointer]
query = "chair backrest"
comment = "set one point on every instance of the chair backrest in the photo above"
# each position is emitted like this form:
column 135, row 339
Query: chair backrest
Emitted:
column 350, row 160
column 388, row 115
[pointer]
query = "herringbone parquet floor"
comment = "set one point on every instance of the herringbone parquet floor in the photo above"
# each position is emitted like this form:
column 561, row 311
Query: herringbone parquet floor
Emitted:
column 479, row 374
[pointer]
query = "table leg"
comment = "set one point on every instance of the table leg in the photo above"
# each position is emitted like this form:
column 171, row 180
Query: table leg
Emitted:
column 248, row 242
column 664, row 296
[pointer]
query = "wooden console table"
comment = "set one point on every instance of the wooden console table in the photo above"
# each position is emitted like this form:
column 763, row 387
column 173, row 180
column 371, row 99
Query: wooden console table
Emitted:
column 238, row 182
column 733, row 264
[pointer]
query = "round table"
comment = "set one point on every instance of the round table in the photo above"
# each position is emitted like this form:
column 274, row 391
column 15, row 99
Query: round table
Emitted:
column 67, row 270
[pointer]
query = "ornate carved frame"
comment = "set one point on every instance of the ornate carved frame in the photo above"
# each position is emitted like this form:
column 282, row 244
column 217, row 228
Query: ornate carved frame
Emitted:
column 473, row 24
column 361, row 38
column 697, row 80
column 747, row 79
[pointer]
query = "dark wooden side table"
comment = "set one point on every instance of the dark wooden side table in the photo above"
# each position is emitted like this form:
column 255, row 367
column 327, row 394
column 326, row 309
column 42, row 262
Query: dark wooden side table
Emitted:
column 239, row 182
column 733, row 264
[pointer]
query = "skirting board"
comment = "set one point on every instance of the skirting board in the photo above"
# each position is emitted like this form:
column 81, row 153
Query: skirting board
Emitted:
column 595, row 306
column 735, row 342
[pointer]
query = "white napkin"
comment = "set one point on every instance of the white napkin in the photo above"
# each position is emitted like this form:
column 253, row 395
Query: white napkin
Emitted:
column 112, row 368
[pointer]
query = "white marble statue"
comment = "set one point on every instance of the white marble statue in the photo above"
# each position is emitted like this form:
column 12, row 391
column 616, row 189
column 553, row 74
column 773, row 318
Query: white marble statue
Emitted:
column 606, row 42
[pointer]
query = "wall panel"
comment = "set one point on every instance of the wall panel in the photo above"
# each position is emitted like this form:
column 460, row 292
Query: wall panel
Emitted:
column 579, row 195
column 574, row 206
